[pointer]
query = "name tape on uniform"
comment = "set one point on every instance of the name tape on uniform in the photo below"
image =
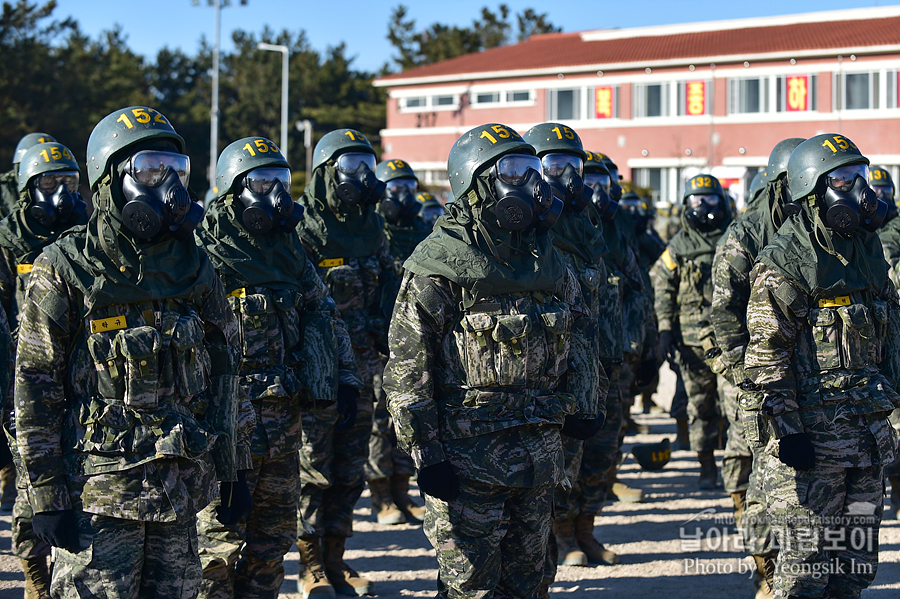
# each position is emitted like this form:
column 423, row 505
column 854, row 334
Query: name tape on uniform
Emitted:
column 113, row 323
column 843, row 300
column 23, row 269
column 331, row 262
column 241, row 293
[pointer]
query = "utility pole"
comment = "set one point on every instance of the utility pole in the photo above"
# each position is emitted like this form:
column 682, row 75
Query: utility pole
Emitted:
column 307, row 127
column 285, row 58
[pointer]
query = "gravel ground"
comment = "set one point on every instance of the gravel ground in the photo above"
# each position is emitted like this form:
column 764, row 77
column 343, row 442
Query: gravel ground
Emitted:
column 653, row 539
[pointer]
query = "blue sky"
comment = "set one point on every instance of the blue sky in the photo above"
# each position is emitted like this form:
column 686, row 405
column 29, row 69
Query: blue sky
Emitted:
column 363, row 24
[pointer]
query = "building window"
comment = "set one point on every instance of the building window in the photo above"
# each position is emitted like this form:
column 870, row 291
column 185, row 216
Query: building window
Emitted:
column 494, row 99
column 796, row 93
column 444, row 100
column 518, row 96
column 487, row 98
column 429, row 103
column 417, row 102
column 651, row 100
column 747, row 96
column 891, row 89
column 857, row 91
column 564, row 104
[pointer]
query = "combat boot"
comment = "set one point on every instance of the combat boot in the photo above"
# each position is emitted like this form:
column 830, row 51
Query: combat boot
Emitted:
column 382, row 503
column 765, row 573
column 37, row 578
column 569, row 552
column 400, row 495
column 620, row 490
column 595, row 551
column 635, row 428
column 709, row 472
column 313, row 583
column 7, row 489
column 738, row 499
column 891, row 513
column 343, row 578
column 682, row 438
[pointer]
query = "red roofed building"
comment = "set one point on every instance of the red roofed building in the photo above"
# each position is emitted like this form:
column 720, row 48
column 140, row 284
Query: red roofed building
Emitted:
column 667, row 102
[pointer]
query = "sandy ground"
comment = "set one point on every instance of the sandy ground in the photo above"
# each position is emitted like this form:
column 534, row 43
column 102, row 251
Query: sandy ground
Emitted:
column 652, row 538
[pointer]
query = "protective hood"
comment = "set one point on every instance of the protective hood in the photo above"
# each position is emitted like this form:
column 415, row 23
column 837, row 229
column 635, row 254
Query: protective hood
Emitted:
column 694, row 245
column 274, row 260
column 109, row 267
column 331, row 229
column 24, row 236
column 574, row 234
column 478, row 255
column 403, row 237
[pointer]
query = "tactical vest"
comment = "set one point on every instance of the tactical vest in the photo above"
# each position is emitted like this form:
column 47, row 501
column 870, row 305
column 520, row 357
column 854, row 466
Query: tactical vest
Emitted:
column 695, row 290
column 152, row 372
column 609, row 312
column 354, row 284
column 513, row 349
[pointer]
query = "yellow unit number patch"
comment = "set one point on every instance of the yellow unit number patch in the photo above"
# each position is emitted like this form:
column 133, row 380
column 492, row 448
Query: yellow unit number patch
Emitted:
column 113, row 323
column 668, row 260
column 23, row 269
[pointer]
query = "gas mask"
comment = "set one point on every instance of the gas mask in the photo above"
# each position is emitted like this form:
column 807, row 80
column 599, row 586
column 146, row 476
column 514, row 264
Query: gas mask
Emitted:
column 564, row 174
column 357, row 183
column 635, row 207
column 268, row 206
column 849, row 201
column 399, row 202
column 524, row 199
column 705, row 212
column 56, row 203
column 600, row 185
column 885, row 193
column 615, row 190
column 156, row 196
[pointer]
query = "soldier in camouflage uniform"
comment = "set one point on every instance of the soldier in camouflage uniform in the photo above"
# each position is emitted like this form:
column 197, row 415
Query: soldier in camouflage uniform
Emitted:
column 126, row 397
column 823, row 352
column 582, row 247
column 684, row 290
column 49, row 203
column 9, row 186
column 389, row 469
column 296, row 357
column 432, row 209
column 881, row 183
column 479, row 378
column 735, row 255
column 343, row 236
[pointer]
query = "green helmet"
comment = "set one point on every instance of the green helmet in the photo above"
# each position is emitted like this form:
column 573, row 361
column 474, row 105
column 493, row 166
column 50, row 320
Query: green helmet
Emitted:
column 337, row 142
column 550, row 138
column 30, row 140
column 756, row 186
column 701, row 185
column 653, row 456
column 44, row 158
column 388, row 170
column 124, row 129
column 815, row 157
column 778, row 159
column 593, row 163
column 476, row 150
column 427, row 199
column 242, row 156
column 879, row 177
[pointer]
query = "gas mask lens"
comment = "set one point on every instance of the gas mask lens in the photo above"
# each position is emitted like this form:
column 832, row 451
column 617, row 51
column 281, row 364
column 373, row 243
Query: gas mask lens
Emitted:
column 554, row 165
column 710, row 199
column 50, row 182
column 398, row 186
column 350, row 162
column 512, row 168
column 149, row 167
column 843, row 178
column 262, row 180
column 595, row 179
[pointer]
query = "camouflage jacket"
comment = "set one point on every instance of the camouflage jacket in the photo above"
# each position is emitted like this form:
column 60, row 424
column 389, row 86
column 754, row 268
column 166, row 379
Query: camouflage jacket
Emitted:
column 132, row 412
column 817, row 368
column 9, row 193
column 478, row 386
column 360, row 288
column 682, row 298
column 890, row 242
column 295, row 353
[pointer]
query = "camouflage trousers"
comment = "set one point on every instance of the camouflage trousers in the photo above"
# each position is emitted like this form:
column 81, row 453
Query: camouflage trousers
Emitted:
column 755, row 530
column 26, row 544
column 678, row 410
column 332, row 462
column 892, row 470
column 702, row 407
column 491, row 541
column 127, row 559
column 826, row 523
column 247, row 559
column 738, row 459
column 385, row 458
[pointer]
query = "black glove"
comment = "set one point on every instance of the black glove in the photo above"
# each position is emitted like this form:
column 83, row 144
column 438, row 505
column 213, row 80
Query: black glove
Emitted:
column 582, row 429
column 235, row 500
column 439, row 480
column 59, row 528
column 346, row 405
column 665, row 349
column 646, row 372
column 797, row 451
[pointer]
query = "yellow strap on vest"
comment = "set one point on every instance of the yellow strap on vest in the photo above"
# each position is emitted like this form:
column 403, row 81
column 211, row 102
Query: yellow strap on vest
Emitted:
column 331, row 262
column 843, row 300
column 242, row 292
column 113, row 323
column 668, row 260
column 23, row 269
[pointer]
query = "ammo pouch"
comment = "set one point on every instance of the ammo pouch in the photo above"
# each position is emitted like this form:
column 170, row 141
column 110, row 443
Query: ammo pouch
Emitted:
column 316, row 359
column 755, row 423
column 846, row 337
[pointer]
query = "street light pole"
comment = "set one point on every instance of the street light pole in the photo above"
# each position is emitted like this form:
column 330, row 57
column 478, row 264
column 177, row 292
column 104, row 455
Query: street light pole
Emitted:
column 307, row 127
column 285, row 56
column 214, row 110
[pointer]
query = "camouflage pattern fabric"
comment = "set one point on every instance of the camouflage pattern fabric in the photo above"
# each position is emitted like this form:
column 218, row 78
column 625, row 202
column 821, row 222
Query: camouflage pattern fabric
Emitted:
column 246, row 559
column 491, row 541
column 703, row 399
column 738, row 460
column 127, row 558
column 889, row 233
column 385, row 458
column 9, row 193
column 816, row 370
column 756, row 533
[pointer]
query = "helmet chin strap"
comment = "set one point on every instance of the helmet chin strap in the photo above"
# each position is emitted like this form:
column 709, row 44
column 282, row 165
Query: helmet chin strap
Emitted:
column 820, row 233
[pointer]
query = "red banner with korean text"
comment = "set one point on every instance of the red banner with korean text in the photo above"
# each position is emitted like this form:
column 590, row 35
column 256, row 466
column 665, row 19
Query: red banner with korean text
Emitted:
column 797, row 93
column 604, row 103
column 695, row 98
